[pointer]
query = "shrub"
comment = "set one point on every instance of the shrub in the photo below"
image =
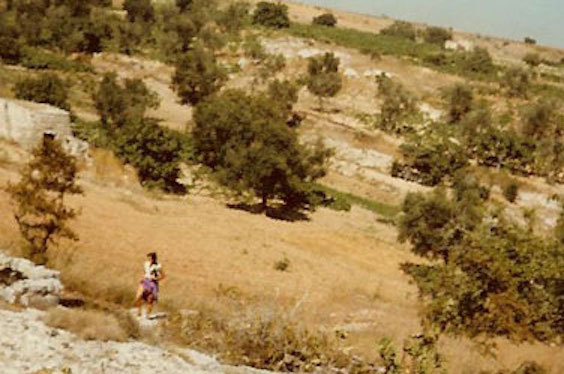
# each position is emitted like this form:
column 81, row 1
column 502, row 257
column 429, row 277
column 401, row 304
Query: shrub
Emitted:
column 479, row 61
column 197, row 75
column 234, row 17
column 540, row 120
column 422, row 356
column 516, row 82
column 154, row 151
column 271, row 15
column 397, row 106
column 459, row 100
column 285, row 94
column 437, row 35
column 532, row 59
column 86, row 324
column 253, row 48
column 245, row 140
column 511, row 192
column 400, row 29
column 139, row 11
column 33, row 58
column 40, row 210
column 559, row 229
column 282, row 265
column 183, row 5
column 47, row 88
column 324, row 80
column 116, row 104
column 430, row 158
column 529, row 40
column 327, row 19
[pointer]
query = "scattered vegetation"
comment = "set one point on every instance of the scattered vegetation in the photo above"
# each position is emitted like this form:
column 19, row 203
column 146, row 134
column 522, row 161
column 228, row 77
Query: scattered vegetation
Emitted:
column 41, row 212
column 495, row 277
column 282, row 265
column 532, row 59
column 459, row 100
column 47, row 88
column 516, row 82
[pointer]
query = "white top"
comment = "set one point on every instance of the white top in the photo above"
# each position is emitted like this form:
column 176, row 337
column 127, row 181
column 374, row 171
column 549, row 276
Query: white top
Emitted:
column 152, row 271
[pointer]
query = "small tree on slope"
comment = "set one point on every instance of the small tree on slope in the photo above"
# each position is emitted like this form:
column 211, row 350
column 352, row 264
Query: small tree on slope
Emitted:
column 40, row 209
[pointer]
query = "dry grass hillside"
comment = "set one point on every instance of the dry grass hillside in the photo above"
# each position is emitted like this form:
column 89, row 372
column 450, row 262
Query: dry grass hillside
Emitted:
column 343, row 270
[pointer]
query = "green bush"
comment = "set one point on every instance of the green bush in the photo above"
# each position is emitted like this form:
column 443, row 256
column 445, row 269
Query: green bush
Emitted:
column 529, row 40
column 271, row 15
column 479, row 61
column 326, row 19
column 34, row 58
column 139, row 11
column 398, row 105
column 197, row 75
column 459, row 100
column 154, row 151
column 48, row 88
column 541, row 120
column 437, row 35
column 532, row 59
column 511, row 192
column 234, row 18
column 323, row 76
column 430, row 158
column 400, row 29
column 516, row 82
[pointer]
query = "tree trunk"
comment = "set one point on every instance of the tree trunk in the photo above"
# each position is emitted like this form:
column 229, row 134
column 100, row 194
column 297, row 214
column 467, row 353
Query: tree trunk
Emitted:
column 264, row 202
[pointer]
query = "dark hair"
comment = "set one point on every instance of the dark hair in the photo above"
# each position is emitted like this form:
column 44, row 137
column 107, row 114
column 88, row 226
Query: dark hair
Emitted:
column 153, row 256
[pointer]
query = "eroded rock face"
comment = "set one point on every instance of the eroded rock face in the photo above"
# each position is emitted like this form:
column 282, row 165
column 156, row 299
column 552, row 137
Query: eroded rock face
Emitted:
column 26, row 122
column 24, row 283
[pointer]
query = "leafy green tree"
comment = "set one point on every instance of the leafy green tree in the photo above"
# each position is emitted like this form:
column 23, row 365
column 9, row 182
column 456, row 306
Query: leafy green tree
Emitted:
column 487, row 277
column 400, row 29
column 116, row 104
column 245, row 140
column 271, row 15
column 139, row 11
column 516, row 82
column 326, row 19
column 197, row 76
column 398, row 105
column 323, row 76
column 285, row 94
column 459, row 100
column 437, row 35
column 47, row 88
column 41, row 212
column 10, row 44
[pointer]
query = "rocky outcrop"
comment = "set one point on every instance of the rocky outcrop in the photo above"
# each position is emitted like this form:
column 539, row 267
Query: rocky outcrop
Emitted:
column 30, row 346
column 26, row 122
column 24, row 283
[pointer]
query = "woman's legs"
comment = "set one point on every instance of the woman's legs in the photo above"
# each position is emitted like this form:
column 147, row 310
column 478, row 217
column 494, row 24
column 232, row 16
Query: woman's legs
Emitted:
column 150, row 300
column 139, row 299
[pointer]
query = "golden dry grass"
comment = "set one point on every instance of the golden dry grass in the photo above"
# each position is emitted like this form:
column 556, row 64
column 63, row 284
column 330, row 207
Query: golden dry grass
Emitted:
column 344, row 266
column 86, row 324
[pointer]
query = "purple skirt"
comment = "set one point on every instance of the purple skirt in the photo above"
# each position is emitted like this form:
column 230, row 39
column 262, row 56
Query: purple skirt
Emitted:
column 150, row 287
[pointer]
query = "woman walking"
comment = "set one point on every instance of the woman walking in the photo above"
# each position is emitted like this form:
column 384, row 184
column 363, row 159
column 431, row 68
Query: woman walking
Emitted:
column 148, row 290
